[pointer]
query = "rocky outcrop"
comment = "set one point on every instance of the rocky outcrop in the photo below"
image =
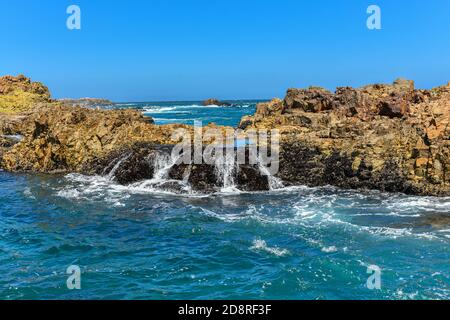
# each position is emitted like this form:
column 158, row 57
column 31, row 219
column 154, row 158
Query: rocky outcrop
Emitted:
column 63, row 139
column 215, row 102
column 86, row 102
column 385, row 137
column 146, row 161
column 18, row 94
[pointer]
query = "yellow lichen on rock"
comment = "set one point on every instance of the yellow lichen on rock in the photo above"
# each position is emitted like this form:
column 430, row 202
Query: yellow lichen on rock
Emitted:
column 18, row 94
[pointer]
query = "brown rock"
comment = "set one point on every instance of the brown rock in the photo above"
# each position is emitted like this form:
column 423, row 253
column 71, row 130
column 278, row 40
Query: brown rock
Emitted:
column 394, row 107
column 215, row 102
column 313, row 99
column 387, row 137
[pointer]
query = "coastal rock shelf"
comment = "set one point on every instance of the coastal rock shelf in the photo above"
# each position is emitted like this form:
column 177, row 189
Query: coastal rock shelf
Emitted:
column 153, row 166
column 386, row 137
column 391, row 138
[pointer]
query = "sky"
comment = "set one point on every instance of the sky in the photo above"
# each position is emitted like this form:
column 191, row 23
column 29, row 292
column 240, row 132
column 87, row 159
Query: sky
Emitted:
column 156, row 50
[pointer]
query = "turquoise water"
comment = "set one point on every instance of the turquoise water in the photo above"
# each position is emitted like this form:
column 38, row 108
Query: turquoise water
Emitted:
column 292, row 243
column 187, row 111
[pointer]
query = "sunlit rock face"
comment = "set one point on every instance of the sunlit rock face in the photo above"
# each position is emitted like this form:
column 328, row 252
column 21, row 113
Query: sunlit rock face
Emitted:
column 18, row 94
column 386, row 137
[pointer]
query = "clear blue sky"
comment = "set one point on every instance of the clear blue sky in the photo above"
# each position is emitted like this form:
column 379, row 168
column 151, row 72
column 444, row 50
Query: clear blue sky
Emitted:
column 174, row 50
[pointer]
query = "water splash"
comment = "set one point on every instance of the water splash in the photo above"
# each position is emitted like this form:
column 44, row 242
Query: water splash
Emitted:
column 274, row 182
column 226, row 169
column 161, row 181
column 112, row 173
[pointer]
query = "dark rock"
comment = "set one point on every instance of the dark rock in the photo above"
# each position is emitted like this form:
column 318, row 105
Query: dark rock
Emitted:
column 250, row 178
column 300, row 164
column 130, row 165
column 203, row 178
column 394, row 107
column 434, row 220
column 244, row 124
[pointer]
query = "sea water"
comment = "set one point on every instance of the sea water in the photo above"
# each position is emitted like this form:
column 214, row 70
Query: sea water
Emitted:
column 139, row 242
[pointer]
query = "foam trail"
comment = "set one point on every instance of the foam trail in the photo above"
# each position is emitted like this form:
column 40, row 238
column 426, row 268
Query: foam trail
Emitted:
column 113, row 171
column 261, row 245
column 161, row 181
column 274, row 182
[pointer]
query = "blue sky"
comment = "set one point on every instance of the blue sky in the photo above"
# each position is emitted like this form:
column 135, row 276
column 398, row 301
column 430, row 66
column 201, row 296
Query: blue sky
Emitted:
column 187, row 50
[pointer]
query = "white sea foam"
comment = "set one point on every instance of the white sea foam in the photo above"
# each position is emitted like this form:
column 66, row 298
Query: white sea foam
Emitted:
column 393, row 233
column 413, row 203
column 261, row 245
column 158, row 109
column 69, row 194
column 27, row 193
column 316, row 207
column 229, row 217
column 329, row 249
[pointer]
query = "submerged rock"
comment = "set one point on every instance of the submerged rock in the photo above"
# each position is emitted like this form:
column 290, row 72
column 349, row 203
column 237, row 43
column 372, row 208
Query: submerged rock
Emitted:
column 132, row 164
column 434, row 220
column 144, row 161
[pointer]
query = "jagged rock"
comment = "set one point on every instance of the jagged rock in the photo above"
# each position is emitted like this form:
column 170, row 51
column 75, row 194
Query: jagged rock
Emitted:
column 140, row 161
column 250, row 178
column 215, row 102
column 365, row 103
column 66, row 138
column 10, row 84
column 18, row 94
column 313, row 99
column 387, row 137
column 394, row 107
column 6, row 143
column 203, row 178
column 434, row 220
column 128, row 165
column 245, row 122
column 272, row 107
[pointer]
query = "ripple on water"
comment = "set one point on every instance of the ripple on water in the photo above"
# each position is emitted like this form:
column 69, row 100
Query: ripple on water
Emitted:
column 290, row 243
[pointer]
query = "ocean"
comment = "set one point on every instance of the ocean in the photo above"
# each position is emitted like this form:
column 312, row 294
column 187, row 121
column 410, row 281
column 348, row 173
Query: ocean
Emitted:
column 139, row 242
column 186, row 112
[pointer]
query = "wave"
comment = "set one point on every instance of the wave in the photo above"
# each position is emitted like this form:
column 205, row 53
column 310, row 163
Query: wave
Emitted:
column 301, row 206
column 261, row 245
column 317, row 218
column 167, row 108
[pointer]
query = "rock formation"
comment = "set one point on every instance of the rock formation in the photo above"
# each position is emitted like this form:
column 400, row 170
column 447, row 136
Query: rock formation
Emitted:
column 18, row 94
column 387, row 137
column 215, row 102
